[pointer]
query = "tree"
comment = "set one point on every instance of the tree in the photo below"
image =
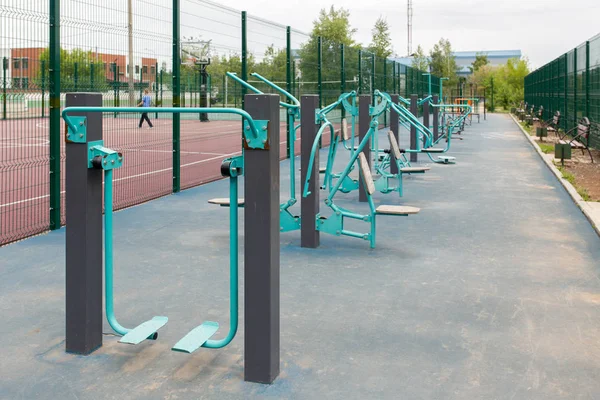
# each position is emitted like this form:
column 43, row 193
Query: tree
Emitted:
column 333, row 27
column 381, row 42
column 420, row 60
column 480, row 61
column 509, row 82
column 76, row 68
column 443, row 62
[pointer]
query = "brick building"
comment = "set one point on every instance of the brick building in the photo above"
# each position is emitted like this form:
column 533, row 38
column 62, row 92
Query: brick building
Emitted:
column 24, row 67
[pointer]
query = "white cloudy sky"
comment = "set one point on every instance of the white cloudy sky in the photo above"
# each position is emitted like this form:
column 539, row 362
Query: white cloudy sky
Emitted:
column 542, row 29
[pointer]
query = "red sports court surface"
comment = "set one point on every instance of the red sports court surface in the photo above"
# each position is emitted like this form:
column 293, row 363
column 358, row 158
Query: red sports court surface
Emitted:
column 146, row 173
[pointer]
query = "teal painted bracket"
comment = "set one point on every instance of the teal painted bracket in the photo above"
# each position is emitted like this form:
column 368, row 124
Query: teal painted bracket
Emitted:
column 350, row 109
column 378, row 109
column 348, row 185
column 80, row 134
column 287, row 221
column 318, row 116
column 333, row 225
column 261, row 141
column 109, row 159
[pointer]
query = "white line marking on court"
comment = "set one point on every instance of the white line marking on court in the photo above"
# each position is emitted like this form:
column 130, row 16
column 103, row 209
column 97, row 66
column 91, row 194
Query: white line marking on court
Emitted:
column 138, row 175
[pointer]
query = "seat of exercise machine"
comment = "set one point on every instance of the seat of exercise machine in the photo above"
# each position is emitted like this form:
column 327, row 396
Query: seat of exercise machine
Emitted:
column 432, row 150
column 382, row 209
column 395, row 151
column 408, row 170
column 224, row 201
column 397, row 210
column 345, row 135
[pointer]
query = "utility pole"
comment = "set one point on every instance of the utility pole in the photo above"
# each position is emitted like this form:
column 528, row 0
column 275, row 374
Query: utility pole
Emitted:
column 409, row 15
column 130, row 69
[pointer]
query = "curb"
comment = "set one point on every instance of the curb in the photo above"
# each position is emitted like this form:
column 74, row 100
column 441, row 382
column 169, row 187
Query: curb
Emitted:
column 585, row 209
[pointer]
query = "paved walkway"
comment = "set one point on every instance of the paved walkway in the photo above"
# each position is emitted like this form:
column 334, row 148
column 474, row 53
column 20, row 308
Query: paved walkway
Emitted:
column 491, row 292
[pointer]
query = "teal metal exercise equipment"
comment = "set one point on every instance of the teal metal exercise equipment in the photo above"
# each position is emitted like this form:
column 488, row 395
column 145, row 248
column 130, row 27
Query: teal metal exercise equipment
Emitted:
column 408, row 119
column 349, row 184
column 107, row 159
column 334, row 224
column 288, row 221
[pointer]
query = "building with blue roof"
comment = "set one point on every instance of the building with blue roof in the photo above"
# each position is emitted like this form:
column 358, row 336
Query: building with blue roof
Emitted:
column 464, row 59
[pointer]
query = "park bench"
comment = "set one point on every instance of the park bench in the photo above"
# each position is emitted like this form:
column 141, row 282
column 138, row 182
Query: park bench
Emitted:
column 581, row 140
column 540, row 114
column 552, row 124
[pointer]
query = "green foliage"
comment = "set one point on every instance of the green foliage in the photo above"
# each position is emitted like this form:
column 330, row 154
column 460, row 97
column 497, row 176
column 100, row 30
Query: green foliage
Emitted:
column 420, row 60
column 481, row 60
column 333, row 27
column 381, row 42
column 81, row 61
column 443, row 62
column 546, row 148
column 509, row 82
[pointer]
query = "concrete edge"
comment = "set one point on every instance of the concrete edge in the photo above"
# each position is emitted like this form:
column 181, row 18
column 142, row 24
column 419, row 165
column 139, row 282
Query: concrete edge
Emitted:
column 577, row 199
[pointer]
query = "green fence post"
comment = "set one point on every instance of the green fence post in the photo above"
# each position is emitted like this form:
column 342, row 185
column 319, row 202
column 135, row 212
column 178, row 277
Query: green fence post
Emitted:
column 359, row 72
column 176, row 96
column 55, row 137
column 319, row 70
column 4, row 68
column 563, row 121
column 385, row 62
column 244, row 57
column 161, row 88
column 288, row 82
column 91, row 88
column 575, row 86
column 43, row 84
column 394, row 77
column 156, row 87
column 373, row 77
column 587, row 80
column 320, row 77
column 115, row 87
column 342, row 76
column 76, row 76
column 141, row 81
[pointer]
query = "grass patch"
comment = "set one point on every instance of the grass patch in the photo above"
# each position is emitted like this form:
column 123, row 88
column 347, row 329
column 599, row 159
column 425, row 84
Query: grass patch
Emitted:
column 569, row 177
column 547, row 148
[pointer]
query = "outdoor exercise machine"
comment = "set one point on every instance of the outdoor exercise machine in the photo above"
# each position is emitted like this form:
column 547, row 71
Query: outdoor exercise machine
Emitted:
column 421, row 136
column 347, row 137
column 289, row 222
column 87, row 158
column 334, row 223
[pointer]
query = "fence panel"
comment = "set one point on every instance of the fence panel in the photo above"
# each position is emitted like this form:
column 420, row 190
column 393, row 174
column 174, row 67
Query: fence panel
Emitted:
column 24, row 128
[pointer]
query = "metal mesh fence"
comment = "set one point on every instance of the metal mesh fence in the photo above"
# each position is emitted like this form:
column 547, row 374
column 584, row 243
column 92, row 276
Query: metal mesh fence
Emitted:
column 570, row 84
column 177, row 52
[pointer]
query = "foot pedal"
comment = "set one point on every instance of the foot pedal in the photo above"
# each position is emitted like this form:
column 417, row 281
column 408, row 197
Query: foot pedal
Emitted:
column 196, row 337
column 146, row 330
column 447, row 159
